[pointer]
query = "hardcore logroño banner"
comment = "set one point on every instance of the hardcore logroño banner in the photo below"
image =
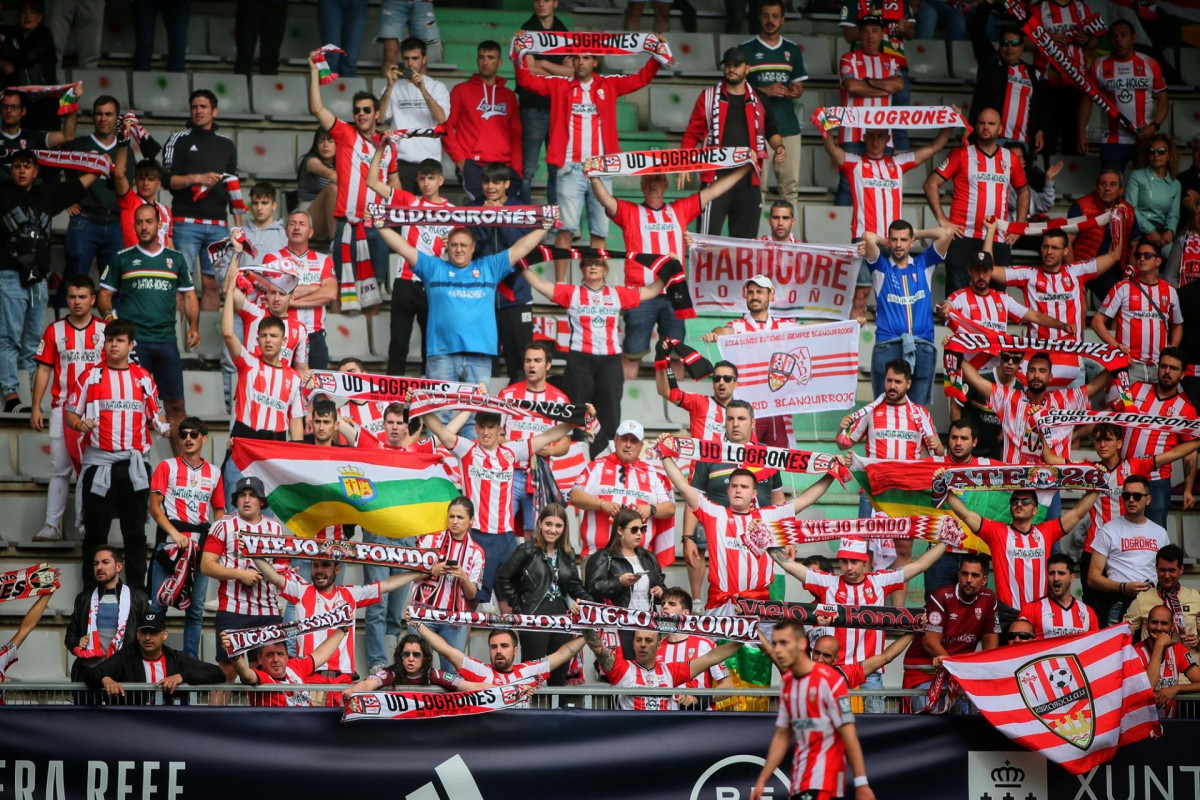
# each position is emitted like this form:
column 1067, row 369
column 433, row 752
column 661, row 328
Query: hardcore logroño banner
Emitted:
column 199, row 753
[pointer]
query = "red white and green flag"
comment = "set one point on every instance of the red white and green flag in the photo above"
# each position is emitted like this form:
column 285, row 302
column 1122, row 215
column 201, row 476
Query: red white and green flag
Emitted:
column 310, row 487
column 1074, row 699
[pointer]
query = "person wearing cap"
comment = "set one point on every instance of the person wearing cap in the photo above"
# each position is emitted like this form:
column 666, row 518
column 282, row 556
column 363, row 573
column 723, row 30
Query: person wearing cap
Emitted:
column 622, row 479
column 1005, row 82
column 149, row 661
column 897, row 22
column 857, row 585
column 732, row 114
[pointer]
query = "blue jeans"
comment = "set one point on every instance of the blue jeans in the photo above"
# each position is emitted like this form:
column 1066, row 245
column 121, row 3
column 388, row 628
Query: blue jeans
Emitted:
column 574, row 191
column 399, row 19
column 923, row 370
column 376, row 246
column 87, row 241
column 455, row 636
column 535, row 131
column 841, row 195
column 175, row 14
column 1160, row 501
column 193, row 614
column 464, row 367
column 522, row 501
column 640, row 322
column 874, row 705
column 342, row 22
column 952, row 21
column 192, row 240
column 21, row 310
column 387, row 616
column 497, row 548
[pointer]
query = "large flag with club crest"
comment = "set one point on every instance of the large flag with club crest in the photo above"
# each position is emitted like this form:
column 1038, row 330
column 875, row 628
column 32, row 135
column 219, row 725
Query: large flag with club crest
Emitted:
column 310, row 487
column 1074, row 699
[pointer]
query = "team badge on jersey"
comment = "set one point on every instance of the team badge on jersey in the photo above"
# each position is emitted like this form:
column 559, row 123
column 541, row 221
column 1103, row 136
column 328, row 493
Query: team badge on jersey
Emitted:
column 357, row 487
column 1057, row 691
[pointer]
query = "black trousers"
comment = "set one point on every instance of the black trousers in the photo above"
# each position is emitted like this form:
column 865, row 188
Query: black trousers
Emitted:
column 539, row 644
column 129, row 508
column 742, row 205
column 514, row 326
column 1061, row 130
column 599, row 380
column 408, row 303
column 318, row 350
column 262, row 23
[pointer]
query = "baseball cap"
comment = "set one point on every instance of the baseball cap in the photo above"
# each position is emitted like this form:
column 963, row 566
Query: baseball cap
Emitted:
column 763, row 281
column 253, row 484
column 870, row 19
column 980, row 260
column 631, row 427
column 152, row 621
column 735, row 55
column 852, row 549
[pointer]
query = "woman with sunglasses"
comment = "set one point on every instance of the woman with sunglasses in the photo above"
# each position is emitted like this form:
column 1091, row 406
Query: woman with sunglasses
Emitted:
column 412, row 666
column 1155, row 193
column 625, row 573
column 538, row 578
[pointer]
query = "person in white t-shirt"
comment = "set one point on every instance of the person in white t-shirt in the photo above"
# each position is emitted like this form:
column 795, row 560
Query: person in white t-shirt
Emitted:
column 414, row 100
column 1126, row 548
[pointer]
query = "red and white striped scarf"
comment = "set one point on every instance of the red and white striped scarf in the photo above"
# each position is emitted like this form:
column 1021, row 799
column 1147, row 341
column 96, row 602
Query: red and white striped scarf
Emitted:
column 79, row 160
column 96, row 648
column 68, row 101
column 1064, row 224
column 761, row 534
column 357, row 284
column 320, row 57
column 715, row 102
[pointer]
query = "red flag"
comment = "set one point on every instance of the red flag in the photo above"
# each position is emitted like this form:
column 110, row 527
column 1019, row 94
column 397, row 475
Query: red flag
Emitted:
column 1074, row 699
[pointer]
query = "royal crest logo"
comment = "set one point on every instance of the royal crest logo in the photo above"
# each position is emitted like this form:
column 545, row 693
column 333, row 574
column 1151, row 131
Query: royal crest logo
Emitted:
column 357, row 487
column 1057, row 692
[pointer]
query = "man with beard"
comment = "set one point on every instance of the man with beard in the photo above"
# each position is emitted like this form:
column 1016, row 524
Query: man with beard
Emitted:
column 962, row 444
column 1109, row 195
column 1182, row 601
column 502, row 666
column 101, row 616
column 149, row 661
column 1059, row 613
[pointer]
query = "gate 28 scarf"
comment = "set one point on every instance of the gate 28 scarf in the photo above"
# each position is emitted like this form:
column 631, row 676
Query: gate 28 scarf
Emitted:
column 1010, row 477
column 96, row 648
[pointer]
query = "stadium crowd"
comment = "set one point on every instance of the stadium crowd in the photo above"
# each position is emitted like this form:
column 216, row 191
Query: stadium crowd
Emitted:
column 113, row 368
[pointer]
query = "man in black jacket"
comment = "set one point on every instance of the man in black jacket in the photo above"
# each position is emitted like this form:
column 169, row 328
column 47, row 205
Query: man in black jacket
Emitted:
column 98, row 624
column 1005, row 82
column 150, row 662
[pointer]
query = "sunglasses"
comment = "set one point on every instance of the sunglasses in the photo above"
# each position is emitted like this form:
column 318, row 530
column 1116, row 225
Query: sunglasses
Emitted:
column 1158, row 151
column 364, row 110
column 1021, row 636
column 1010, row 42
column 190, row 435
column 1133, row 495
column 1144, row 254
column 636, row 528
column 723, row 379
column 1010, row 359
column 418, row 654
column 1021, row 501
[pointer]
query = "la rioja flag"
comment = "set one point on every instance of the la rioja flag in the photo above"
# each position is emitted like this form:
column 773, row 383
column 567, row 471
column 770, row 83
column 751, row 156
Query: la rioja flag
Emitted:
column 1074, row 699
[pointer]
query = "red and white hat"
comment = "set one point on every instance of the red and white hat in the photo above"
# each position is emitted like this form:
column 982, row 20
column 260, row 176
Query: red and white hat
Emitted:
column 853, row 549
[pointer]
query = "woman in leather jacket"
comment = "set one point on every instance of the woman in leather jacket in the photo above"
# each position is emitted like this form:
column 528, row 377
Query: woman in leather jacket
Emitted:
column 612, row 575
column 537, row 579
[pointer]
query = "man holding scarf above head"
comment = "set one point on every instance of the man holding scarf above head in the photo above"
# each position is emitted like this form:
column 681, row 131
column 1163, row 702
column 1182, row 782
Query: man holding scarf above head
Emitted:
column 732, row 114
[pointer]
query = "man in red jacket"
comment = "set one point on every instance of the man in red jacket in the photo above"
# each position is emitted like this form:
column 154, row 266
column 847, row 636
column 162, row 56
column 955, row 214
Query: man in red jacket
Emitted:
column 583, row 125
column 484, row 124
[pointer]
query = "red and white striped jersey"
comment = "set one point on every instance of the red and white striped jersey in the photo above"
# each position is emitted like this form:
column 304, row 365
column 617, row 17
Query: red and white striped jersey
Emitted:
column 310, row 602
column 654, row 230
column 368, row 416
column 1019, row 559
column 475, row 670
column 353, row 159
column 686, row 649
column 981, row 184
column 122, row 401
column 1050, row 620
column 993, row 310
column 1130, row 86
column 488, row 481
column 896, row 431
column 1055, row 294
column 155, row 669
column 1176, row 661
column 68, row 351
column 444, row 592
column 297, row 671
column 584, row 137
column 1022, row 443
column 1108, row 505
column 748, row 324
column 259, row 600
column 856, row 644
column 630, row 674
column 706, row 417
column 267, row 398
column 610, row 478
column 1063, row 18
column 295, row 337
column 1146, row 443
column 733, row 571
column 1144, row 314
column 857, row 65
column 567, row 468
column 876, row 185
column 595, row 316
column 1018, row 103
column 426, row 238
column 312, row 267
column 189, row 493
column 518, row 429
column 813, row 707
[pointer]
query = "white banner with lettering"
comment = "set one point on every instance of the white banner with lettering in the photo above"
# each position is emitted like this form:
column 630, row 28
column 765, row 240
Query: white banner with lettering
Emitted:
column 796, row 370
column 811, row 280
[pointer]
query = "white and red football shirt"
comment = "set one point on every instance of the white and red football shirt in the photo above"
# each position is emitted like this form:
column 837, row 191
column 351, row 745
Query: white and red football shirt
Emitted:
column 122, row 401
column 368, row 416
column 297, row 671
column 312, row 267
column 981, row 184
column 1015, row 112
column 259, row 600
column 1019, row 559
column 1050, row 619
column 353, row 160
column 267, row 397
column 595, row 315
column 1022, row 442
column 855, row 644
column 68, row 351
column 654, row 230
column 895, row 431
column 426, row 238
column 813, row 707
column 475, row 670
column 857, row 65
column 1176, row 661
column 310, row 602
column 630, row 674
column 1130, row 85
column 518, row 429
column 734, row 571
column 1055, row 294
column 610, row 478
column 294, row 349
column 1140, row 442
column 1144, row 314
column 584, row 132
column 876, row 186
column 488, row 481
column 444, row 592
column 748, row 324
column 686, row 649
column 706, row 417
column 189, row 493
column 993, row 310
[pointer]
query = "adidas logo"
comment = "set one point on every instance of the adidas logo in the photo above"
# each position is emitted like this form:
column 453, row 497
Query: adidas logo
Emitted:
column 457, row 783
